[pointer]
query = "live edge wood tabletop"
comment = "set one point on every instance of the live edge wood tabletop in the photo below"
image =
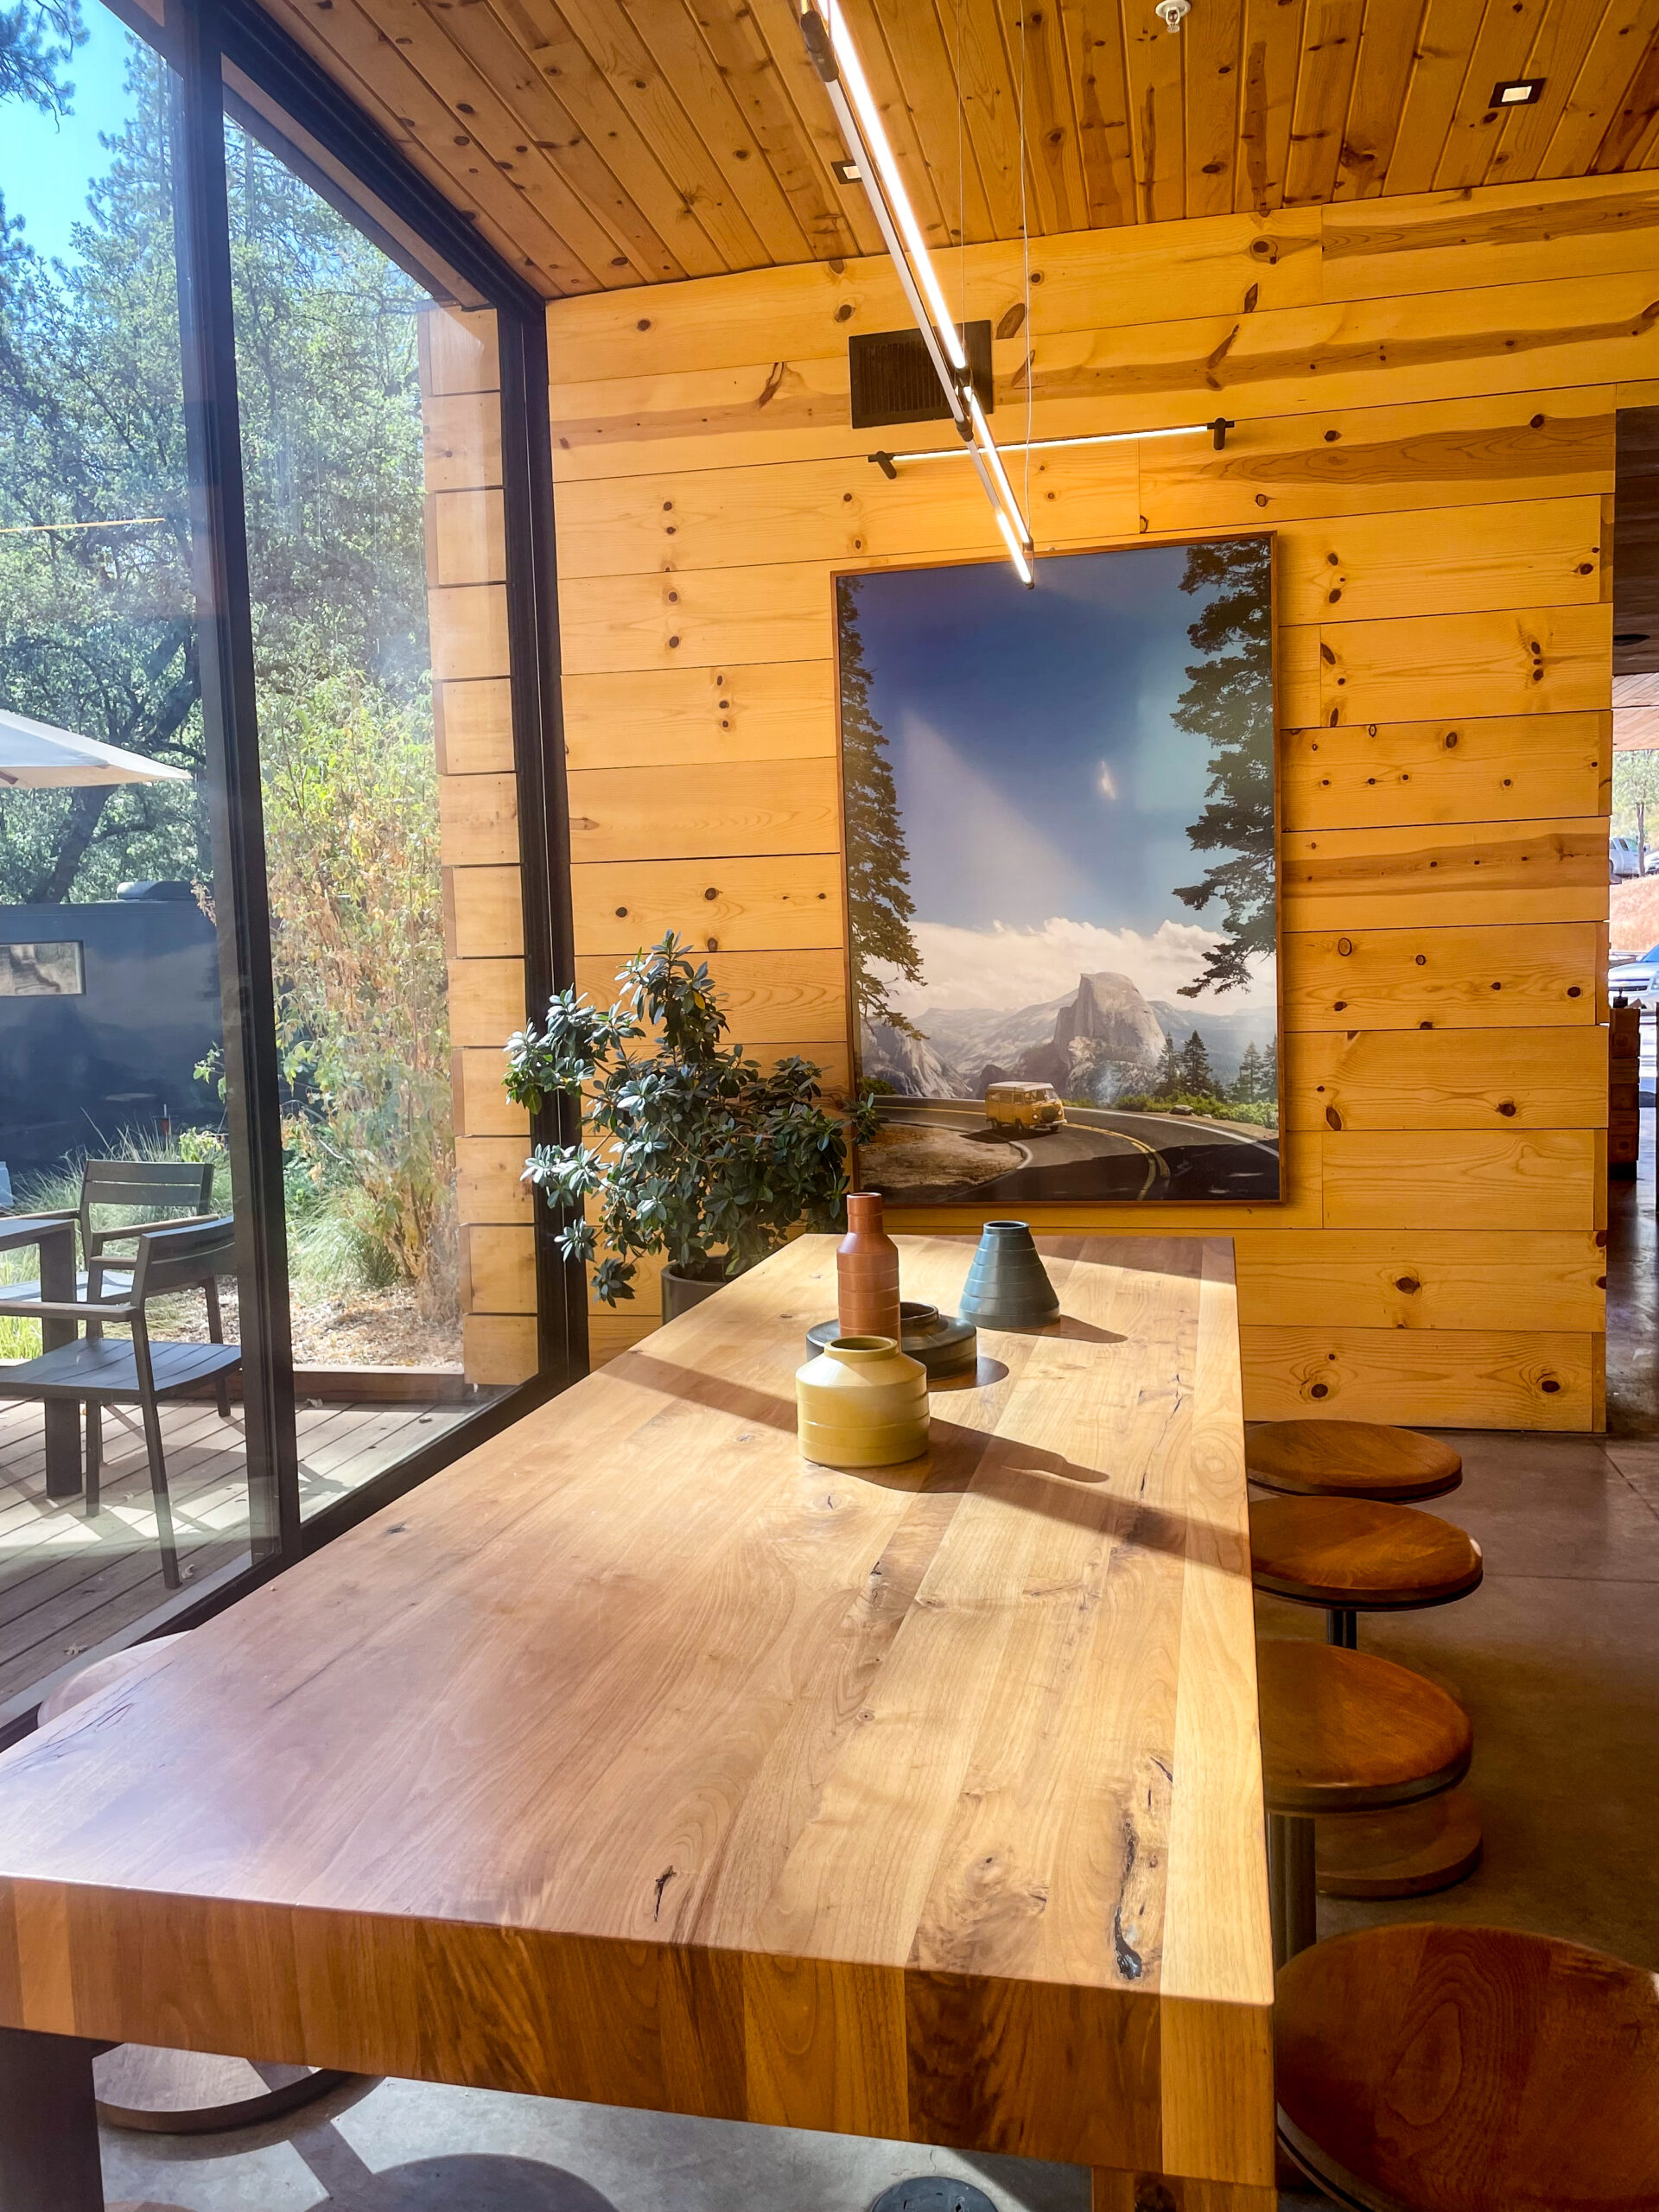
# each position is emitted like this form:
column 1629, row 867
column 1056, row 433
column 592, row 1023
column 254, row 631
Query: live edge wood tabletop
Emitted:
column 634, row 1759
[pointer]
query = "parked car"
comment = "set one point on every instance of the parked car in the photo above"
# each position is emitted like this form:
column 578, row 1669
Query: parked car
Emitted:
column 1637, row 981
column 1033, row 1106
column 1623, row 859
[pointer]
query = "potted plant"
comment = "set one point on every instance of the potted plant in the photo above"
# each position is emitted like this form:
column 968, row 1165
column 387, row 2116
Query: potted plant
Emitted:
column 702, row 1156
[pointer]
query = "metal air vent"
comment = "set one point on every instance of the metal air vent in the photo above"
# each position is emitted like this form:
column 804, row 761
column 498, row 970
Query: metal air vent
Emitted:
column 894, row 379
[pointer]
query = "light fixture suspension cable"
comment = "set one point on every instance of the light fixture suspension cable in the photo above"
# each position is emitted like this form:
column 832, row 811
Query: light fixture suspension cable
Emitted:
column 858, row 119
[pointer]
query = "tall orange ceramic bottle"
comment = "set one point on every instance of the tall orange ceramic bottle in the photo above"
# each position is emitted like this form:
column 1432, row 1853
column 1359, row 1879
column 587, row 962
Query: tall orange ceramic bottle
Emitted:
column 866, row 1272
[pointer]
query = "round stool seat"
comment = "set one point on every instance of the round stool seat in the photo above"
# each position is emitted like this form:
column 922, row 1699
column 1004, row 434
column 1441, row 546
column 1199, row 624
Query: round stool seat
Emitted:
column 120, row 1669
column 1350, row 1459
column 1345, row 1732
column 1469, row 2069
column 1352, row 1552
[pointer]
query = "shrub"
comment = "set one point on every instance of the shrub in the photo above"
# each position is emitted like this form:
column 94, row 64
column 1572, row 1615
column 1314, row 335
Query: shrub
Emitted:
column 352, row 847
column 703, row 1157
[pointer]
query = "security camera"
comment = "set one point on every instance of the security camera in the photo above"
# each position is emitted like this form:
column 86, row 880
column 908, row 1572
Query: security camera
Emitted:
column 1173, row 12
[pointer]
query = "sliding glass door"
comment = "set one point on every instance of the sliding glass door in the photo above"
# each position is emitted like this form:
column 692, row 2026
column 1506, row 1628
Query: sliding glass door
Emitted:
column 115, row 1099
column 274, row 620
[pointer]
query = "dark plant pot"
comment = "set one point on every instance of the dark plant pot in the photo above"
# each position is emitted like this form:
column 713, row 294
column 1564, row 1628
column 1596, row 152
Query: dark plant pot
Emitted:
column 1008, row 1286
column 682, row 1292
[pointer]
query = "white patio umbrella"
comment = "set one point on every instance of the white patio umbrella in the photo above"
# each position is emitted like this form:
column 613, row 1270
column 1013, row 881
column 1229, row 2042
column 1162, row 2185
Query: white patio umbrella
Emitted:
column 36, row 757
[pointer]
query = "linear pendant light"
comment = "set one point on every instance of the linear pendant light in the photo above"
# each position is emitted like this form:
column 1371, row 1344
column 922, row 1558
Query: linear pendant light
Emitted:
column 835, row 57
column 1216, row 430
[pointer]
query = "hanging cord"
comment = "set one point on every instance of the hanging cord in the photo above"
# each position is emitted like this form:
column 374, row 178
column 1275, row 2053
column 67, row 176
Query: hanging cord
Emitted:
column 961, row 191
column 1024, row 250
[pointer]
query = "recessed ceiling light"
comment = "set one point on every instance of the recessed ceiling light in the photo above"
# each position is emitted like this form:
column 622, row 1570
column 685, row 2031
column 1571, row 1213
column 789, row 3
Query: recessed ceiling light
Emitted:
column 848, row 172
column 1517, row 91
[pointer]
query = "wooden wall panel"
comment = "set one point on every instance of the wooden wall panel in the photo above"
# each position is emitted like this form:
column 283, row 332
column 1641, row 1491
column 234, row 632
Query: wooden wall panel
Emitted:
column 1433, row 448
column 477, row 825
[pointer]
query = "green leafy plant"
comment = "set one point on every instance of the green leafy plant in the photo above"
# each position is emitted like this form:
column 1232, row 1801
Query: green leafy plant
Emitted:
column 703, row 1156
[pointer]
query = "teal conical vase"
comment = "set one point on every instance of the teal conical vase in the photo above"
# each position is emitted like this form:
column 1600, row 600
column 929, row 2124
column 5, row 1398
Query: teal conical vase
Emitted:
column 1008, row 1286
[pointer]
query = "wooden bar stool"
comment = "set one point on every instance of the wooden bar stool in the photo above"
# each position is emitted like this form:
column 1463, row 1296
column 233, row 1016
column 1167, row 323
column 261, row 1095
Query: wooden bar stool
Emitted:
column 1351, row 1555
column 178, row 2091
column 1469, row 2069
column 1342, row 1731
column 1350, row 1459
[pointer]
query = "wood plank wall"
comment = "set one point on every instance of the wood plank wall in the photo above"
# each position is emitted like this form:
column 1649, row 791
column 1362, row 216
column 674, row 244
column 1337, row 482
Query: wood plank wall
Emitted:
column 483, row 916
column 1424, row 393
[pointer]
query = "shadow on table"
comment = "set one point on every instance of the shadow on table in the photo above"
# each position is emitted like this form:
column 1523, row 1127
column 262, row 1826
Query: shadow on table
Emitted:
column 959, row 1457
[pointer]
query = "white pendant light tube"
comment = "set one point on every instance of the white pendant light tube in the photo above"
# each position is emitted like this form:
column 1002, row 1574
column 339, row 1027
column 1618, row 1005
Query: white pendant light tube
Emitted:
column 835, row 59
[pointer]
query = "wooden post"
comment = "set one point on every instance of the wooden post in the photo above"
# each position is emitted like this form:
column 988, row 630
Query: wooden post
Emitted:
column 48, row 2124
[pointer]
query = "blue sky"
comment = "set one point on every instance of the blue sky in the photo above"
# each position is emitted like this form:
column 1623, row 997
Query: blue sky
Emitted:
column 46, row 165
column 1045, row 790
column 1031, row 738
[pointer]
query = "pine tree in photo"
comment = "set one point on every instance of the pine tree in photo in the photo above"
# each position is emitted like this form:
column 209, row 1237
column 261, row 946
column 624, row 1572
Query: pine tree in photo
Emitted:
column 1229, row 701
column 879, row 904
column 1167, row 1080
column 1197, row 1077
column 1246, row 1087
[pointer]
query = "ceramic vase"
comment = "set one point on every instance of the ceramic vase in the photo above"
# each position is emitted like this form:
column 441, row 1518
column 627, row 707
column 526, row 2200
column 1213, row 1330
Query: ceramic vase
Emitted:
column 1008, row 1286
column 866, row 1272
column 945, row 1346
column 862, row 1404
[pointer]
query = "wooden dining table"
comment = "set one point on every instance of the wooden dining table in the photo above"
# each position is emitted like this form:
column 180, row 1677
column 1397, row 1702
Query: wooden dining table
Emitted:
column 635, row 1759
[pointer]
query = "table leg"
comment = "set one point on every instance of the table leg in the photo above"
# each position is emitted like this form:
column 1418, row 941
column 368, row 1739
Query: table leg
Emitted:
column 1114, row 2191
column 48, row 2124
column 63, row 1415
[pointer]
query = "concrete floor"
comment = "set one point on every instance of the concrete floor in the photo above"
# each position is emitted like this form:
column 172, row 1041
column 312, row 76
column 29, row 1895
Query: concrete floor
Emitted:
column 1556, row 1657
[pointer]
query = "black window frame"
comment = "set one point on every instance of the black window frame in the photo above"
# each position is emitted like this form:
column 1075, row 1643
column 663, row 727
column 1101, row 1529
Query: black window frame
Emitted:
column 200, row 39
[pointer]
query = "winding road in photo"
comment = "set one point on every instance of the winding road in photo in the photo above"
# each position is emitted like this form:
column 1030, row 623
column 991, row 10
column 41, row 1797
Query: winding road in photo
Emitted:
column 1101, row 1153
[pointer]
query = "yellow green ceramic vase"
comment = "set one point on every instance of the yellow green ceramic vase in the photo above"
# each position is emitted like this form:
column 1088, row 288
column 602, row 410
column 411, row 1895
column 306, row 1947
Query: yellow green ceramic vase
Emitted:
column 862, row 1404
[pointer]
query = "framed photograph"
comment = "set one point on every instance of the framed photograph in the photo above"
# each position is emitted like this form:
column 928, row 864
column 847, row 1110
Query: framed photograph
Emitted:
column 1062, row 885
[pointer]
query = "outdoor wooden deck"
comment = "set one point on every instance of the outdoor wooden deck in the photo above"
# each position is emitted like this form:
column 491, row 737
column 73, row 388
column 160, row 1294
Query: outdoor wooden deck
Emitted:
column 68, row 1584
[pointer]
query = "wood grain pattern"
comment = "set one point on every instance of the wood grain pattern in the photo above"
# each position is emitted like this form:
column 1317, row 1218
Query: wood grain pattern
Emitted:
column 1433, row 1279
column 605, row 149
column 1348, row 1732
column 1448, row 1079
column 1532, row 2028
column 1497, row 768
column 1436, row 448
column 1350, row 1459
column 1524, row 1378
column 1487, row 872
column 671, row 1734
column 1353, row 1551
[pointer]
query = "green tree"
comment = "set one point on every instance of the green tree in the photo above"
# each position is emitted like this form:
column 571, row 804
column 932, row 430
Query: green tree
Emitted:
column 879, row 904
column 1246, row 1085
column 1167, row 1080
column 98, row 626
column 38, row 38
column 1196, row 1074
column 1229, row 701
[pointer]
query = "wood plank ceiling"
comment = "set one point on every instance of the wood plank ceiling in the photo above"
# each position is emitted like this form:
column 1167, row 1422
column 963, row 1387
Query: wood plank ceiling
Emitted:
column 605, row 143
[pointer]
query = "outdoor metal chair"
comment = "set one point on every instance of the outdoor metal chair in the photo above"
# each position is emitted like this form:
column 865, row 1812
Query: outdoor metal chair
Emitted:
column 176, row 1191
column 100, row 1372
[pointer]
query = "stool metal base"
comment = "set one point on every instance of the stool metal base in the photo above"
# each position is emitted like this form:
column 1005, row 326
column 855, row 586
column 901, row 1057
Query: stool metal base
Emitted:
column 1293, row 1899
column 933, row 2193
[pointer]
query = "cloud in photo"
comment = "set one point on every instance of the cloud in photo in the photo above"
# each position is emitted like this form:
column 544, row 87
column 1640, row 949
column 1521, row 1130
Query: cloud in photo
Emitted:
column 1006, row 969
